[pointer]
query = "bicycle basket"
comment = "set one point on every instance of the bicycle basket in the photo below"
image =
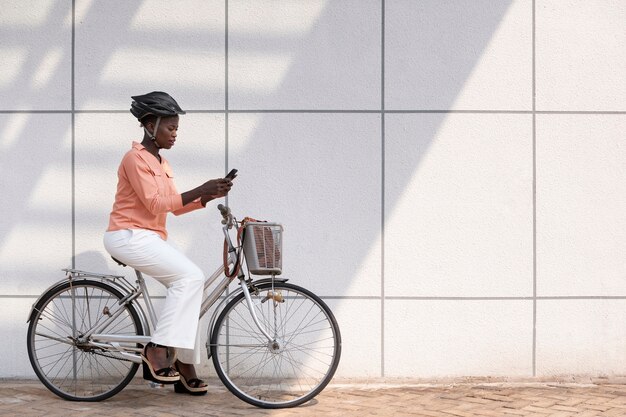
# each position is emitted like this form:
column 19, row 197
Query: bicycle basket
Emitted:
column 262, row 245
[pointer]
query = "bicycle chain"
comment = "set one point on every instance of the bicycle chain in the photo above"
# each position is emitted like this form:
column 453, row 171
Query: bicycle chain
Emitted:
column 112, row 357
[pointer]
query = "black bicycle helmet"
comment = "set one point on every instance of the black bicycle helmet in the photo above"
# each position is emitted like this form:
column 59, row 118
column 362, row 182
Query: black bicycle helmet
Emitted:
column 156, row 103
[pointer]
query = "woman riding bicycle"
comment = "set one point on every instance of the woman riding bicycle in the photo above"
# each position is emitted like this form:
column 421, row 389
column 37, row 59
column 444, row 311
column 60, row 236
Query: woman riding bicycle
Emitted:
column 137, row 237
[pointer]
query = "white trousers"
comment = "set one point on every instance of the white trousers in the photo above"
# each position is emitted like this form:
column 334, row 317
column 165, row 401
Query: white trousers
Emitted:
column 147, row 252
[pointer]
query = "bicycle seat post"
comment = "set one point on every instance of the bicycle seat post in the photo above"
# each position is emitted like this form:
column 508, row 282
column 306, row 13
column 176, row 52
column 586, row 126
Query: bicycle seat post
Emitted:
column 141, row 282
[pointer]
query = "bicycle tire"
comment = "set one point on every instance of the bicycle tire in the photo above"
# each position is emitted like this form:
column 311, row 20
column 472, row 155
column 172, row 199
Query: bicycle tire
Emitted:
column 294, row 367
column 70, row 370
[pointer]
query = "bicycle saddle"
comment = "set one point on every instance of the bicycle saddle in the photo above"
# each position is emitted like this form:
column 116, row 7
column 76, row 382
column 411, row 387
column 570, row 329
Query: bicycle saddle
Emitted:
column 118, row 261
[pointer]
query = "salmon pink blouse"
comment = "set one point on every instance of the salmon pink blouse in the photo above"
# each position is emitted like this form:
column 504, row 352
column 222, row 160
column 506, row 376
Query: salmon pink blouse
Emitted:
column 146, row 193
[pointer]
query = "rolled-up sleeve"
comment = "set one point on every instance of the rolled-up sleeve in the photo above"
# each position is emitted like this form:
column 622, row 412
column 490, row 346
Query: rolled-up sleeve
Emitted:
column 194, row 205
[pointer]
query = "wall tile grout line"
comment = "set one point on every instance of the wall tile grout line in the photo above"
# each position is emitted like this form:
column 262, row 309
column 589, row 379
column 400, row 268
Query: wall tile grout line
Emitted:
column 534, row 191
column 382, row 186
column 73, row 129
column 338, row 111
column 226, row 92
column 418, row 298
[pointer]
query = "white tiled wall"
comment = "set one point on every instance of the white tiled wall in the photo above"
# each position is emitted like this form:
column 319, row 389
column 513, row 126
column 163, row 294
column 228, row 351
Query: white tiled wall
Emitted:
column 141, row 46
column 581, row 337
column 464, row 54
column 36, row 55
column 458, row 205
column 333, row 240
column 580, row 55
column 581, row 204
column 446, row 338
column 36, row 203
column 450, row 174
column 304, row 55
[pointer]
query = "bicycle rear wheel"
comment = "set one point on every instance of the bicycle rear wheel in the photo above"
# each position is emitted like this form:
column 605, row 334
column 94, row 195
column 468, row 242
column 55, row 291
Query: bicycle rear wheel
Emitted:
column 72, row 368
column 292, row 368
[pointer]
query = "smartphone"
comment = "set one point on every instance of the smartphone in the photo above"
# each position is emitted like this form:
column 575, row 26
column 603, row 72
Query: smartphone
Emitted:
column 232, row 174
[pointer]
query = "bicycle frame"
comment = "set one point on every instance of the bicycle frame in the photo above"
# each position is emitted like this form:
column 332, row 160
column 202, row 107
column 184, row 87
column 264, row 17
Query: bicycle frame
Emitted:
column 126, row 346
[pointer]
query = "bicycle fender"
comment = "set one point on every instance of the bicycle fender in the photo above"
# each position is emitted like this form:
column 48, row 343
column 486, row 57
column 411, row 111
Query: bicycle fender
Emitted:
column 239, row 291
column 36, row 303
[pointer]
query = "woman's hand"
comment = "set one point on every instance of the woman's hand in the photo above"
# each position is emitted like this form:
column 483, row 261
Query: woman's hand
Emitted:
column 208, row 191
column 217, row 188
column 213, row 189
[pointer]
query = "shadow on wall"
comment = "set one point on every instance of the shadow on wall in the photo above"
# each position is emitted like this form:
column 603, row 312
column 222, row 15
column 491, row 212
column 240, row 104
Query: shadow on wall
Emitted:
column 96, row 261
column 328, row 163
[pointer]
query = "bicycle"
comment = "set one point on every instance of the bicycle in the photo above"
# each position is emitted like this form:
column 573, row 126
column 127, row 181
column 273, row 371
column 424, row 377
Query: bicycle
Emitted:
column 273, row 344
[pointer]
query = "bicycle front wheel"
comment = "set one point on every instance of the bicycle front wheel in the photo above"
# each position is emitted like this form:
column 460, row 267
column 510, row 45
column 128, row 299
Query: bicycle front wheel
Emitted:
column 291, row 368
column 66, row 363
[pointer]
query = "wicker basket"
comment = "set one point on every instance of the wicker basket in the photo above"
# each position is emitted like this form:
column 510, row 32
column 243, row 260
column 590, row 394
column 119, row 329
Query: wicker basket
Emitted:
column 262, row 245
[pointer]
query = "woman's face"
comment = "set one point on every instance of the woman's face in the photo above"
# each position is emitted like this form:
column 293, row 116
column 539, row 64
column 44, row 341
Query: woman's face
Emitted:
column 166, row 132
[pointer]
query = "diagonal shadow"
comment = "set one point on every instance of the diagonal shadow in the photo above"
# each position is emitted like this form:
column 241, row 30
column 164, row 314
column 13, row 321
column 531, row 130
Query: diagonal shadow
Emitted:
column 311, row 135
column 321, row 139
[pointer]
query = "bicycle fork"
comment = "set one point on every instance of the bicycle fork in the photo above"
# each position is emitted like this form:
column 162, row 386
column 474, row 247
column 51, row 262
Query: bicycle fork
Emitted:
column 271, row 295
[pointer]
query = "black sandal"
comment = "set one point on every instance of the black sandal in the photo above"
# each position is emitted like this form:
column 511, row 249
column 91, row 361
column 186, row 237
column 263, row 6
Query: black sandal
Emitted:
column 167, row 375
column 190, row 386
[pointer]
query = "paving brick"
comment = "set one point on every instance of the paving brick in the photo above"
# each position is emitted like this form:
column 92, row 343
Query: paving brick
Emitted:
column 588, row 413
column 602, row 399
column 539, row 410
column 560, row 407
column 561, row 414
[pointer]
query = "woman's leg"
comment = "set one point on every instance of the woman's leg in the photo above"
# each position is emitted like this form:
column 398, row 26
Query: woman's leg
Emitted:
column 186, row 359
column 191, row 356
column 145, row 251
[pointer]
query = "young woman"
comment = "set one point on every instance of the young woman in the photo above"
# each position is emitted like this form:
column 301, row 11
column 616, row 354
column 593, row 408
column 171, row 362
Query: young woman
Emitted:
column 137, row 237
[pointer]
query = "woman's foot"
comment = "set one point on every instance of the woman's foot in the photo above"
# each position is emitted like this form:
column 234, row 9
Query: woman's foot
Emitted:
column 157, row 355
column 189, row 382
column 156, row 364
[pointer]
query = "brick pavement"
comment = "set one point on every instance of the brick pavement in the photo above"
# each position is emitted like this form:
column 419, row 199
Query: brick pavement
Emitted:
column 462, row 398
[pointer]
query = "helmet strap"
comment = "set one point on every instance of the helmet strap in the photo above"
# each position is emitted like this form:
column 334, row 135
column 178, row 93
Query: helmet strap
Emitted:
column 153, row 135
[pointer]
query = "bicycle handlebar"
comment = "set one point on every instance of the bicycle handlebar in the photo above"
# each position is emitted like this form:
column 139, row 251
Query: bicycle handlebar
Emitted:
column 231, row 254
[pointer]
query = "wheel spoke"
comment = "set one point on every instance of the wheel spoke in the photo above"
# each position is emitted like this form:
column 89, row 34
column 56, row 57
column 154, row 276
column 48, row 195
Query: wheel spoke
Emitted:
column 284, row 372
